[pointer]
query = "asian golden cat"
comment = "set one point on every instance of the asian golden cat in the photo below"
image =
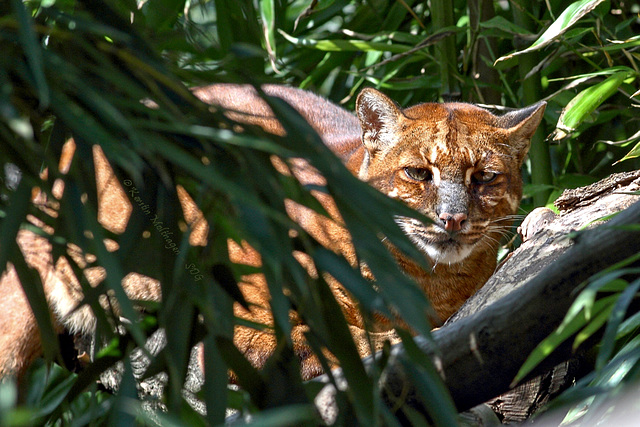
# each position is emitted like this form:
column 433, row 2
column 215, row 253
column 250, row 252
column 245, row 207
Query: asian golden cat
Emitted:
column 456, row 163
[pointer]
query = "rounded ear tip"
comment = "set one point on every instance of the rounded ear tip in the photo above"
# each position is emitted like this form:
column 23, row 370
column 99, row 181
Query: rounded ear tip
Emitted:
column 370, row 96
column 367, row 91
column 366, row 96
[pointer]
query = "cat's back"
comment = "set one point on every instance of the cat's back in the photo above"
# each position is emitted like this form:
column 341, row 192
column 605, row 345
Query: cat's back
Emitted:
column 339, row 129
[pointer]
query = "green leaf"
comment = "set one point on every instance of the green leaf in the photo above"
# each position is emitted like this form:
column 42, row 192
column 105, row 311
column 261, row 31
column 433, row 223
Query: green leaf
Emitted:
column 614, row 321
column 351, row 279
column 585, row 103
column 606, row 281
column 596, row 73
column 633, row 153
column 594, row 325
column 224, row 23
column 289, row 415
column 267, row 14
column 504, row 25
column 18, row 208
column 347, row 45
column 30, row 279
column 428, row 382
column 622, row 44
column 32, row 51
column 531, row 189
column 59, row 382
column 162, row 14
column 629, row 325
column 248, row 377
column 572, row 14
column 10, row 414
column 80, row 217
column 568, row 328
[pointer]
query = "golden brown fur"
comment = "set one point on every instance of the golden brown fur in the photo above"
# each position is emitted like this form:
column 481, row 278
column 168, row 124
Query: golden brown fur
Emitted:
column 456, row 163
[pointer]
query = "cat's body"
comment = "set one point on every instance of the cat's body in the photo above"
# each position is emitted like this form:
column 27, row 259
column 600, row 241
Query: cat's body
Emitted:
column 456, row 163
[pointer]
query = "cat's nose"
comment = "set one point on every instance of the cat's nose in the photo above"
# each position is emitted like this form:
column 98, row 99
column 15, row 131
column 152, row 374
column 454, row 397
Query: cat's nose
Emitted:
column 453, row 222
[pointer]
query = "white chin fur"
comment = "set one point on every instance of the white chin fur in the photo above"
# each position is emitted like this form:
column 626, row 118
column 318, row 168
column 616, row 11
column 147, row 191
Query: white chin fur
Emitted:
column 438, row 254
column 445, row 252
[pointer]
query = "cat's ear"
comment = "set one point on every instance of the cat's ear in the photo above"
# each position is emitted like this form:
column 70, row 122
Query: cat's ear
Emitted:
column 521, row 125
column 380, row 119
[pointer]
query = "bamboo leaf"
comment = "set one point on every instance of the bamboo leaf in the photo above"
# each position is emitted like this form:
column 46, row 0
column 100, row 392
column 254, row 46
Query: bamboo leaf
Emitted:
column 341, row 344
column 32, row 51
column 504, row 25
column 622, row 44
column 29, row 278
column 80, row 218
column 614, row 321
column 346, row 45
column 606, row 72
column 248, row 376
column 585, row 103
column 162, row 14
column 428, row 382
column 301, row 414
column 59, row 383
column 224, row 23
column 267, row 14
column 350, row 278
column 603, row 282
column 633, row 153
column 632, row 138
column 572, row 14
column 593, row 326
column 564, row 332
column 629, row 325
column 16, row 214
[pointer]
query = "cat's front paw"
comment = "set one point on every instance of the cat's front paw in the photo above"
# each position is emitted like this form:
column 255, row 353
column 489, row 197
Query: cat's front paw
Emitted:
column 537, row 220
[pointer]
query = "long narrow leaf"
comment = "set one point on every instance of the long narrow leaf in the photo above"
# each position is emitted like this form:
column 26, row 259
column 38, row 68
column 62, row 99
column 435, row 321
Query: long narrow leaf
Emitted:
column 346, row 45
column 572, row 14
column 549, row 344
column 30, row 280
column 614, row 321
column 586, row 102
column 428, row 383
column 32, row 51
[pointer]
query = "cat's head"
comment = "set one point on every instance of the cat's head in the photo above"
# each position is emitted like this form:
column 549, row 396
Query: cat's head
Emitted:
column 456, row 163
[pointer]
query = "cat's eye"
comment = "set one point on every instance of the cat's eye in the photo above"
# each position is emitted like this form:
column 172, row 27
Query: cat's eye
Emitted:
column 484, row 177
column 418, row 174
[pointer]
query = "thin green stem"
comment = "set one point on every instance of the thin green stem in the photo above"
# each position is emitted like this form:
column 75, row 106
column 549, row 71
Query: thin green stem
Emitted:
column 442, row 16
column 541, row 172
